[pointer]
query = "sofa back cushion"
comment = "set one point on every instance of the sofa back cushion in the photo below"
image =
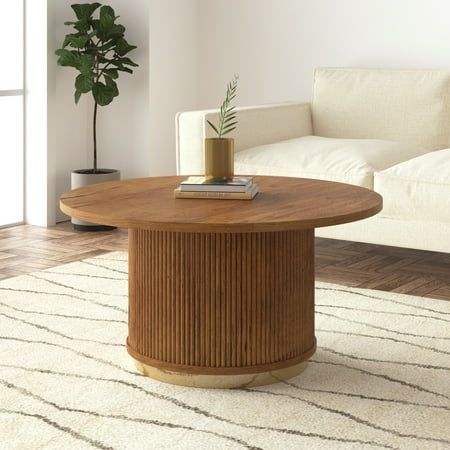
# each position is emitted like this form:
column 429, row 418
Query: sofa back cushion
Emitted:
column 410, row 106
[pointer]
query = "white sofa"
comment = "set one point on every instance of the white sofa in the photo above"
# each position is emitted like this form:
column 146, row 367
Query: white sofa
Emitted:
column 387, row 130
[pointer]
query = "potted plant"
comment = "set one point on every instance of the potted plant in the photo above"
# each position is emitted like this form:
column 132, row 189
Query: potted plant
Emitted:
column 219, row 151
column 97, row 49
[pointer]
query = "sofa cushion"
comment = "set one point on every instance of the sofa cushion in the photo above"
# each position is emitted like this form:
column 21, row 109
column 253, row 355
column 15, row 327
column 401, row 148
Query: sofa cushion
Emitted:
column 411, row 106
column 350, row 161
column 418, row 189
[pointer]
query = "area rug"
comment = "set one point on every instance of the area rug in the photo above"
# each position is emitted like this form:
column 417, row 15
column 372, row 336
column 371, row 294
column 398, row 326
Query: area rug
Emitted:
column 380, row 377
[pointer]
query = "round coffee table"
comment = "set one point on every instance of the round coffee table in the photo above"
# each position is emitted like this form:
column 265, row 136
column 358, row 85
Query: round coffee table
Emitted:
column 221, row 292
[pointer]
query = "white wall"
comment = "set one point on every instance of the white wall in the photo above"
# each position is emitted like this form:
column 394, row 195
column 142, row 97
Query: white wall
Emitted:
column 174, row 75
column 275, row 45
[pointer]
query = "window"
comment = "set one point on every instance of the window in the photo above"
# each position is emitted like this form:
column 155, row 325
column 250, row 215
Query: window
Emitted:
column 11, row 113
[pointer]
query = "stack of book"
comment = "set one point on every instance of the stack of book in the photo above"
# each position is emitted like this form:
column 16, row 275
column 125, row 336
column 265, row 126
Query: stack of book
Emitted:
column 238, row 188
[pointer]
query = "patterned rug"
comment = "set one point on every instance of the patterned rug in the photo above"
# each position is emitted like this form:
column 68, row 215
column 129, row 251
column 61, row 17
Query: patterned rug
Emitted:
column 380, row 377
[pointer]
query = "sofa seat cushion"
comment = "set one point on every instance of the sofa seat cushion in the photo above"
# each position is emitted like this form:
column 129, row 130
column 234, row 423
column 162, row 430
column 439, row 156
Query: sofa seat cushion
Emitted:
column 350, row 161
column 418, row 189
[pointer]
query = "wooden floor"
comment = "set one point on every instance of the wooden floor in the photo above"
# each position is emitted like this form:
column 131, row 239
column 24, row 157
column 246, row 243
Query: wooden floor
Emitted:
column 28, row 248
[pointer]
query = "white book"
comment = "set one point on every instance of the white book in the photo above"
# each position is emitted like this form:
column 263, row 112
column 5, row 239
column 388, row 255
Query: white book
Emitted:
column 202, row 184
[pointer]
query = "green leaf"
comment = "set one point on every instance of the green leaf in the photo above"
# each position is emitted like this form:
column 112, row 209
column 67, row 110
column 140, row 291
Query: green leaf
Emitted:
column 227, row 114
column 107, row 10
column 84, row 83
column 116, row 31
column 103, row 94
column 77, row 96
column 85, row 11
column 128, row 62
column 106, row 22
column 82, row 26
column 112, row 84
column 120, row 67
column 229, row 128
column 67, row 57
column 124, row 69
column 86, row 64
column 75, row 41
column 104, row 60
column 112, row 73
column 229, row 118
column 230, row 125
column 89, row 50
column 108, row 45
column 212, row 126
column 123, row 47
column 224, row 132
column 95, row 24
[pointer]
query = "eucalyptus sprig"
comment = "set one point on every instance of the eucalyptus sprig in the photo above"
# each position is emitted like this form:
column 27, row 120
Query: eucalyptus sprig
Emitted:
column 227, row 113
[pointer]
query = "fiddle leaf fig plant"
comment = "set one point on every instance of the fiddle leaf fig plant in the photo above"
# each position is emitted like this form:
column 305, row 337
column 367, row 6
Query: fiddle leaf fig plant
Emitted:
column 97, row 49
column 227, row 113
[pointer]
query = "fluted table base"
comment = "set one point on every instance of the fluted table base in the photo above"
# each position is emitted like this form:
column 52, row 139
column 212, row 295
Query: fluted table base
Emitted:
column 221, row 309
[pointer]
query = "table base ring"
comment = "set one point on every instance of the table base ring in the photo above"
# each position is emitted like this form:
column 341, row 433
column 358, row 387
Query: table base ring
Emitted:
column 256, row 369
column 221, row 381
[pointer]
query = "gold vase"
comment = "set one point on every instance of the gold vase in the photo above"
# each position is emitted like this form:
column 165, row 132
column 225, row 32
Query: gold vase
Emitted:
column 219, row 158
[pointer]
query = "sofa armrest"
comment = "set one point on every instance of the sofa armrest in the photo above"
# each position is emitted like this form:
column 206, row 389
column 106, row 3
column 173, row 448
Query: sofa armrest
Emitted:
column 258, row 125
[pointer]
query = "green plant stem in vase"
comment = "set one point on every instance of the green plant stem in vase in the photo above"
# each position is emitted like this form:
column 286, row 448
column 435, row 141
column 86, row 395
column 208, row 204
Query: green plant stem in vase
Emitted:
column 219, row 151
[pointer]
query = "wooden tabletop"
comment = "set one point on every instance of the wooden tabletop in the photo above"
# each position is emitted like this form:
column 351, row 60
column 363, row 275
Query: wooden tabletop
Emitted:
column 283, row 203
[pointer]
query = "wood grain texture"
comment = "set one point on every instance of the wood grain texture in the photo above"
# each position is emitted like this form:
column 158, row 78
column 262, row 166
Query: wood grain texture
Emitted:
column 28, row 248
column 283, row 204
column 221, row 303
column 392, row 269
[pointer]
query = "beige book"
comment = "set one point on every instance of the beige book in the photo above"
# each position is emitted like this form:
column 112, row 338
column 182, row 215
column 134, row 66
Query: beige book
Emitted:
column 249, row 195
